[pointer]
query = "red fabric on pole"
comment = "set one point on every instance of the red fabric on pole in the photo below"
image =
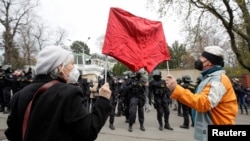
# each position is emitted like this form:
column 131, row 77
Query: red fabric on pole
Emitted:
column 135, row 41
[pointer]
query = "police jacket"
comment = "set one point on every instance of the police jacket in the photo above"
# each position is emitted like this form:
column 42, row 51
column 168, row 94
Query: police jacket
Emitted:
column 8, row 79
column 189, row 86
column 158, row 89
column 57, row 114
column 136, row 88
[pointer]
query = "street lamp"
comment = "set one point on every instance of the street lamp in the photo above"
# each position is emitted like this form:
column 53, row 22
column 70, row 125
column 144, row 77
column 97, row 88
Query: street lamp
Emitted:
column 87, row 40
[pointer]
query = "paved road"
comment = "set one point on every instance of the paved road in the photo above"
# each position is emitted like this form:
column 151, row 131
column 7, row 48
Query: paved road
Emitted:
column 152, row 132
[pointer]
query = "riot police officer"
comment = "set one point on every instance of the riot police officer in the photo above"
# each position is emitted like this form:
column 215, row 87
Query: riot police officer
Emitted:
column 7, row 87
column 120, row 105
column 137, row 99
column 113, row 98
column 187, row 111
column 158, row 90
column 128, row 75
column 85, row 86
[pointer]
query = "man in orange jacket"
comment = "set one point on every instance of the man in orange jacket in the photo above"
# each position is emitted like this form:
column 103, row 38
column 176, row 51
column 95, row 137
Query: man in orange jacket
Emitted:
column 214, row 100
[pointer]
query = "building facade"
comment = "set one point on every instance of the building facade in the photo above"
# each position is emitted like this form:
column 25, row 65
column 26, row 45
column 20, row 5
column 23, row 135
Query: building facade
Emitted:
column 93, row 65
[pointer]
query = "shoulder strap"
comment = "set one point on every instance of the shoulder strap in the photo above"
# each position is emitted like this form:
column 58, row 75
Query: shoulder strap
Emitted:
column 27, row 111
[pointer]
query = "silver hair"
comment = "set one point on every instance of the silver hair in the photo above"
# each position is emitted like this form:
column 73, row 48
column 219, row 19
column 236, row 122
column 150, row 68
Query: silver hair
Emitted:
column 55, row 73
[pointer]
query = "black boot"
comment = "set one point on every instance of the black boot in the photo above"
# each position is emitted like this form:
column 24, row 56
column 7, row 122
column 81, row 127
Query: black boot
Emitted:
column 167, row 126
column 6, row 110
column 130, row 128
column 184, row 126
column 111, row 126
column 246, row 109
column 161, row 127
column 142, row 128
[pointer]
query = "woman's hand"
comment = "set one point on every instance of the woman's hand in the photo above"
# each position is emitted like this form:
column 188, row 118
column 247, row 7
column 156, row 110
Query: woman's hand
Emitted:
column 105, row 91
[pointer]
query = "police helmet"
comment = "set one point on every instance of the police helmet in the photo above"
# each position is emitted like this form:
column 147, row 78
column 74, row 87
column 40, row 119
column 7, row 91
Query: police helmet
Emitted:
column 132, row 74
column 156, row 72
column 141, row 71
column 178, row 81
column 7, row 68
column 126, row 73
column 186, row 78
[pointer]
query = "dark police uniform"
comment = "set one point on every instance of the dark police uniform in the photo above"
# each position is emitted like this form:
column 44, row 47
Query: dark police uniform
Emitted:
column 121, row 104
column 124, row 91
column 113, row 98
column 7, row 87
column 187, row 111
column 137, row 98
column 160, row 92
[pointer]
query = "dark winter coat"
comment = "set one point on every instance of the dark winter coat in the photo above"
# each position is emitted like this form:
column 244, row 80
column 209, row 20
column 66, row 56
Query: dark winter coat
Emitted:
column 56, row 115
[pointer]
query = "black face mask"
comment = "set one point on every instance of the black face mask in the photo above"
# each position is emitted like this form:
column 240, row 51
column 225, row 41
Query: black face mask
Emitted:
column 198, row 64
column 157, row 77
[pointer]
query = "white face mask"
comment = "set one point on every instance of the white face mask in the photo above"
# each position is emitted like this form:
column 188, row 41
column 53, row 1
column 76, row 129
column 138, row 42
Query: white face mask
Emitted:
column 73, row 76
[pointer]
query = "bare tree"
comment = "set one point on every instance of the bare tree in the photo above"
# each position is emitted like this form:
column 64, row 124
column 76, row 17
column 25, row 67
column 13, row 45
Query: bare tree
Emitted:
column 27, row 45
column 60, row 36
column 12, row 16
column 229, row 18
column 207, row 36
column 40, row 35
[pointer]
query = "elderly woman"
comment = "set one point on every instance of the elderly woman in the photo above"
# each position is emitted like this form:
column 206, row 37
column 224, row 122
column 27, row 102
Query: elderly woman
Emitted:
column 57, row 113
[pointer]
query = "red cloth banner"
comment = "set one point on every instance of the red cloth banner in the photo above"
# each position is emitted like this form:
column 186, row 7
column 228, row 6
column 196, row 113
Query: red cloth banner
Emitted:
column 135, row 41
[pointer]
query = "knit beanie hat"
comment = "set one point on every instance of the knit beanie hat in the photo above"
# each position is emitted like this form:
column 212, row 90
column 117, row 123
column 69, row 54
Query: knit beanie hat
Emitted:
column 214, row 54
column 49, row 58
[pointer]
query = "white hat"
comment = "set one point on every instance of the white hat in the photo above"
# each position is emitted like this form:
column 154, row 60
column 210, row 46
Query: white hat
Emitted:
column 215, row 50
column 214, row 54
column 49, row 58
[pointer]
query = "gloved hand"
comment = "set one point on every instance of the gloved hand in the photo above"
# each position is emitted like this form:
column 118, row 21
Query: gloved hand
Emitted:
column 105, row 91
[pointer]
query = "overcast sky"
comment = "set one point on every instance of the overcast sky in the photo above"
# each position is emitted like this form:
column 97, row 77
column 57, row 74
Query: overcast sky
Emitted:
column 88, row 18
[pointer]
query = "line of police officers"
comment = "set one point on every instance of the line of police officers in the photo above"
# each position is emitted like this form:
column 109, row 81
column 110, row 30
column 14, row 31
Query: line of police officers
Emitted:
column 130, row 96
column 128, row 93
column 11, row 82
